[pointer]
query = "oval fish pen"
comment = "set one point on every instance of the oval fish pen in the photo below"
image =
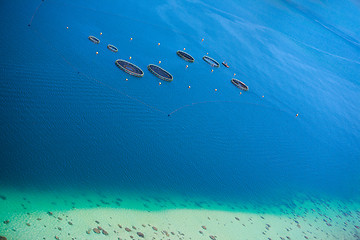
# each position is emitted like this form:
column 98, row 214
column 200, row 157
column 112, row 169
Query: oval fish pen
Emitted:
column 94, row 39
column 187, row 57
column 240, row 84
column 129, row 68
column 160, row 73
column 211, row 61
column 112, row 48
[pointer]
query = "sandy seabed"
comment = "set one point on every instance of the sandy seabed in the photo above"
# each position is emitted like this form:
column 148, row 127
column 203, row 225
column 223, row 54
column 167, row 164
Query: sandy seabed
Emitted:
column 90, row 215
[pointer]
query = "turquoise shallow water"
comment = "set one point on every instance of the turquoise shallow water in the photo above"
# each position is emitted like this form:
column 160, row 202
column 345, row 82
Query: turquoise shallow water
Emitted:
column 70, row 119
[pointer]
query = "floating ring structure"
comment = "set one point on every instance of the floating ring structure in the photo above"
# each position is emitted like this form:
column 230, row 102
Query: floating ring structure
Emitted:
column 112, row 48
column 211, row 61
column 240, row 84
column 129, row 68
column 94, row 39
column 160, row 73
column 187, row 57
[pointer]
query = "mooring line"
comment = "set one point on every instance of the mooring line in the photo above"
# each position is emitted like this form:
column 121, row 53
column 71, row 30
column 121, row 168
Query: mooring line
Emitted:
column 239, row 102
column 95, row 79
column 36, row 10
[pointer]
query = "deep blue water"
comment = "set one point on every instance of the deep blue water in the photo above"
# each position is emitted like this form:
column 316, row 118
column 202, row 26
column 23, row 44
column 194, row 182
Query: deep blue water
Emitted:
column 69, row 118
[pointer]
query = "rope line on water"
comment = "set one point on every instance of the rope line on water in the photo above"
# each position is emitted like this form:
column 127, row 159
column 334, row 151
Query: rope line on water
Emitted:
column 239, row 102
column 36, row 10
column 95, row 79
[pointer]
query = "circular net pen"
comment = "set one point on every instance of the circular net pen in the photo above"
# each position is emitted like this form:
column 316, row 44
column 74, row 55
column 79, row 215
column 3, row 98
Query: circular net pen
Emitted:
column 112, row 48
column 94, row 39
column 129, row 68
column 240, row 84
column 160, row 73
column 187, row 57
column 211, row 61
